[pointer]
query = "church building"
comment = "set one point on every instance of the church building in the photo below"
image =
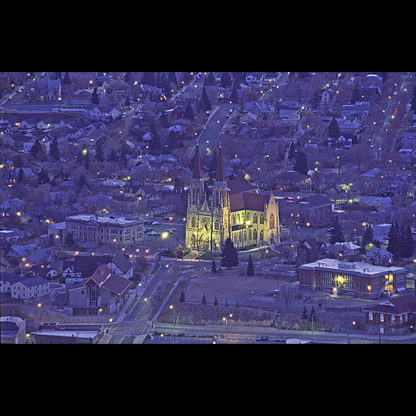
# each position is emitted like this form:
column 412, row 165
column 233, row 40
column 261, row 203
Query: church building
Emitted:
column 228, row 208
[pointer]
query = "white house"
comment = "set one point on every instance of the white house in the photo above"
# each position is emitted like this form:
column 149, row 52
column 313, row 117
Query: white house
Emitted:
column 31, row 287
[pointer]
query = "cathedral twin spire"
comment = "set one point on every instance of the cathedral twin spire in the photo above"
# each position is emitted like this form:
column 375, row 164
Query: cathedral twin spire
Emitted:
column 197, row 171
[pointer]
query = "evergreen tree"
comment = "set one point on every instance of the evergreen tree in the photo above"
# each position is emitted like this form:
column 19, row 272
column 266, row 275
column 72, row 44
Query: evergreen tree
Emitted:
column 305, row 313
column 148, row 78
column 394, row 241
column 94, row 97
column 333, row 129
column 127, row 102
column 214, row 267
column 210, row 80
column 204, row 299
column 234, row 93
column 182, row 297
column 113, row 157
column 250, row 266
column 54, row 150
column 301, row 163
column 43, row 177
column 189, row 112
column 69, row 239
column 368, row 236
column 408, row 242
column 82, row 181
column 292, row 151
column 229, row 255
column 215, row 301
column 187, row 77
column 154, row 145
column 21, row 175
column 356, row 94
column 226, row 80
column 123, row 158
column 312, row 314
column 204, row 102
column 226, row 303
column 337, row 235
column 163, row 121
column 99, row 154
column 172, row 78
column 36, row 149
column 67, row 79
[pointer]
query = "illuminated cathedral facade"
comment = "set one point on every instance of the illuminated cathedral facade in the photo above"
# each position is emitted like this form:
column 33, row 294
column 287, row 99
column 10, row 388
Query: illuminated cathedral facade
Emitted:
column 228, row 208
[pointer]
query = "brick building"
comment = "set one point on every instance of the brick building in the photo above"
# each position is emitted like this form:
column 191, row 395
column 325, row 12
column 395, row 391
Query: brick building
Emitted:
column 352, row 278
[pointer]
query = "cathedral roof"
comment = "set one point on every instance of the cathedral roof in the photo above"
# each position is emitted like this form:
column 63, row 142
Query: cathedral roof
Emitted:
column 239, row 185
column 248, row 200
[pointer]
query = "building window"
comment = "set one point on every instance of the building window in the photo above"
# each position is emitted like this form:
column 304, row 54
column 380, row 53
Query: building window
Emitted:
column 370, row 316
column 271, row 221
column 381, row 317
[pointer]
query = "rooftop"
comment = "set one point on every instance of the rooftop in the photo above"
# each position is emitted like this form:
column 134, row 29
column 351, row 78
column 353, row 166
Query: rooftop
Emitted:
column 354, row 267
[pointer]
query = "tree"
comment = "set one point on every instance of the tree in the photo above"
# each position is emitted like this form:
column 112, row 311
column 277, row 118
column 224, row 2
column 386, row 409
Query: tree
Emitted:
column 54, row 150
column 394, row 241
column 356, row 94
column 172, row 78
column 204, row 299
column 305, row 313
column 163, row 120
column 43, row 177
column 368, row 236
column 204, row 102
column 292, row 151
column 210, row 80
column 234, row 93
column 148, row 78
column 99, row 154
column 214, row 267
column 229, row 255
column 82, row 181
column 250, row 266
column 226, row 80
column 67, row 79
column 94, row 97
column 215, row 301
column 333, row 130
column 69, row 239
column 113, row 157
column 182, row 297
column 21, row 175
column 189, row 112
column 312, row 314
column 301, row 162
column 36, row 149
column 337, row 235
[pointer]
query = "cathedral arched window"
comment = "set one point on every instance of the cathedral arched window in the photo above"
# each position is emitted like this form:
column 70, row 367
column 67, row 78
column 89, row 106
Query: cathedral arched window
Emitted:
column 261, row 219
column 249, row 235
column 238, row 218
column 261, row 235
column 193, row 222
column 255, row 234
column 233, row 219
column 255, row 218
column 193, row 241
column 245, row 235
column 271, row 221
column 217, row 225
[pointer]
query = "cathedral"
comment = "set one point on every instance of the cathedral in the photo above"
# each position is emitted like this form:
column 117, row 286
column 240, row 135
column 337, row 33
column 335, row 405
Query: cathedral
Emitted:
column 228, row 208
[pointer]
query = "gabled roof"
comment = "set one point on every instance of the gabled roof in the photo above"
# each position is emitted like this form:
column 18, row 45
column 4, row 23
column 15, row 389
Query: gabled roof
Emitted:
column 395, row 305
column 249, row 201
column 122, row 263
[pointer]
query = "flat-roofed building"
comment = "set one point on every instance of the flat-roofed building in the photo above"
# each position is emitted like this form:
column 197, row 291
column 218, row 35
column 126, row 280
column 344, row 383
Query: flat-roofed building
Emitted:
column 352, row 278
column 106, row 229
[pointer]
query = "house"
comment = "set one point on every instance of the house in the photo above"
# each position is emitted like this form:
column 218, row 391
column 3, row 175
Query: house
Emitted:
column 29, row 288
column 104, row 290
column 102, row 112
column 47, row 89
column 381, row 232
column 379, row 256
column 397, row 315
column 120, row 265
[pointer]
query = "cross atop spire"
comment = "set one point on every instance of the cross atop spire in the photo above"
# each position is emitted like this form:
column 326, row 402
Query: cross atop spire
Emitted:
column 197, row 172
column 220, row 177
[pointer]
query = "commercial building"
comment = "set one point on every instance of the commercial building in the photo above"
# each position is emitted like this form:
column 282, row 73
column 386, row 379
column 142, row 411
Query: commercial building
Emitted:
column 352, row 278
column 105, row 229
column 12, row 330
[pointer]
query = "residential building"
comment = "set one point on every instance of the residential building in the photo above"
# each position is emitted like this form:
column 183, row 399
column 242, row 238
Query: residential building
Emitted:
column 29, row 288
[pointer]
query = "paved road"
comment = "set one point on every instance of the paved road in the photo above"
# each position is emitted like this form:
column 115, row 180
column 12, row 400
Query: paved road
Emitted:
column 136, row 321
column 248, row 333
